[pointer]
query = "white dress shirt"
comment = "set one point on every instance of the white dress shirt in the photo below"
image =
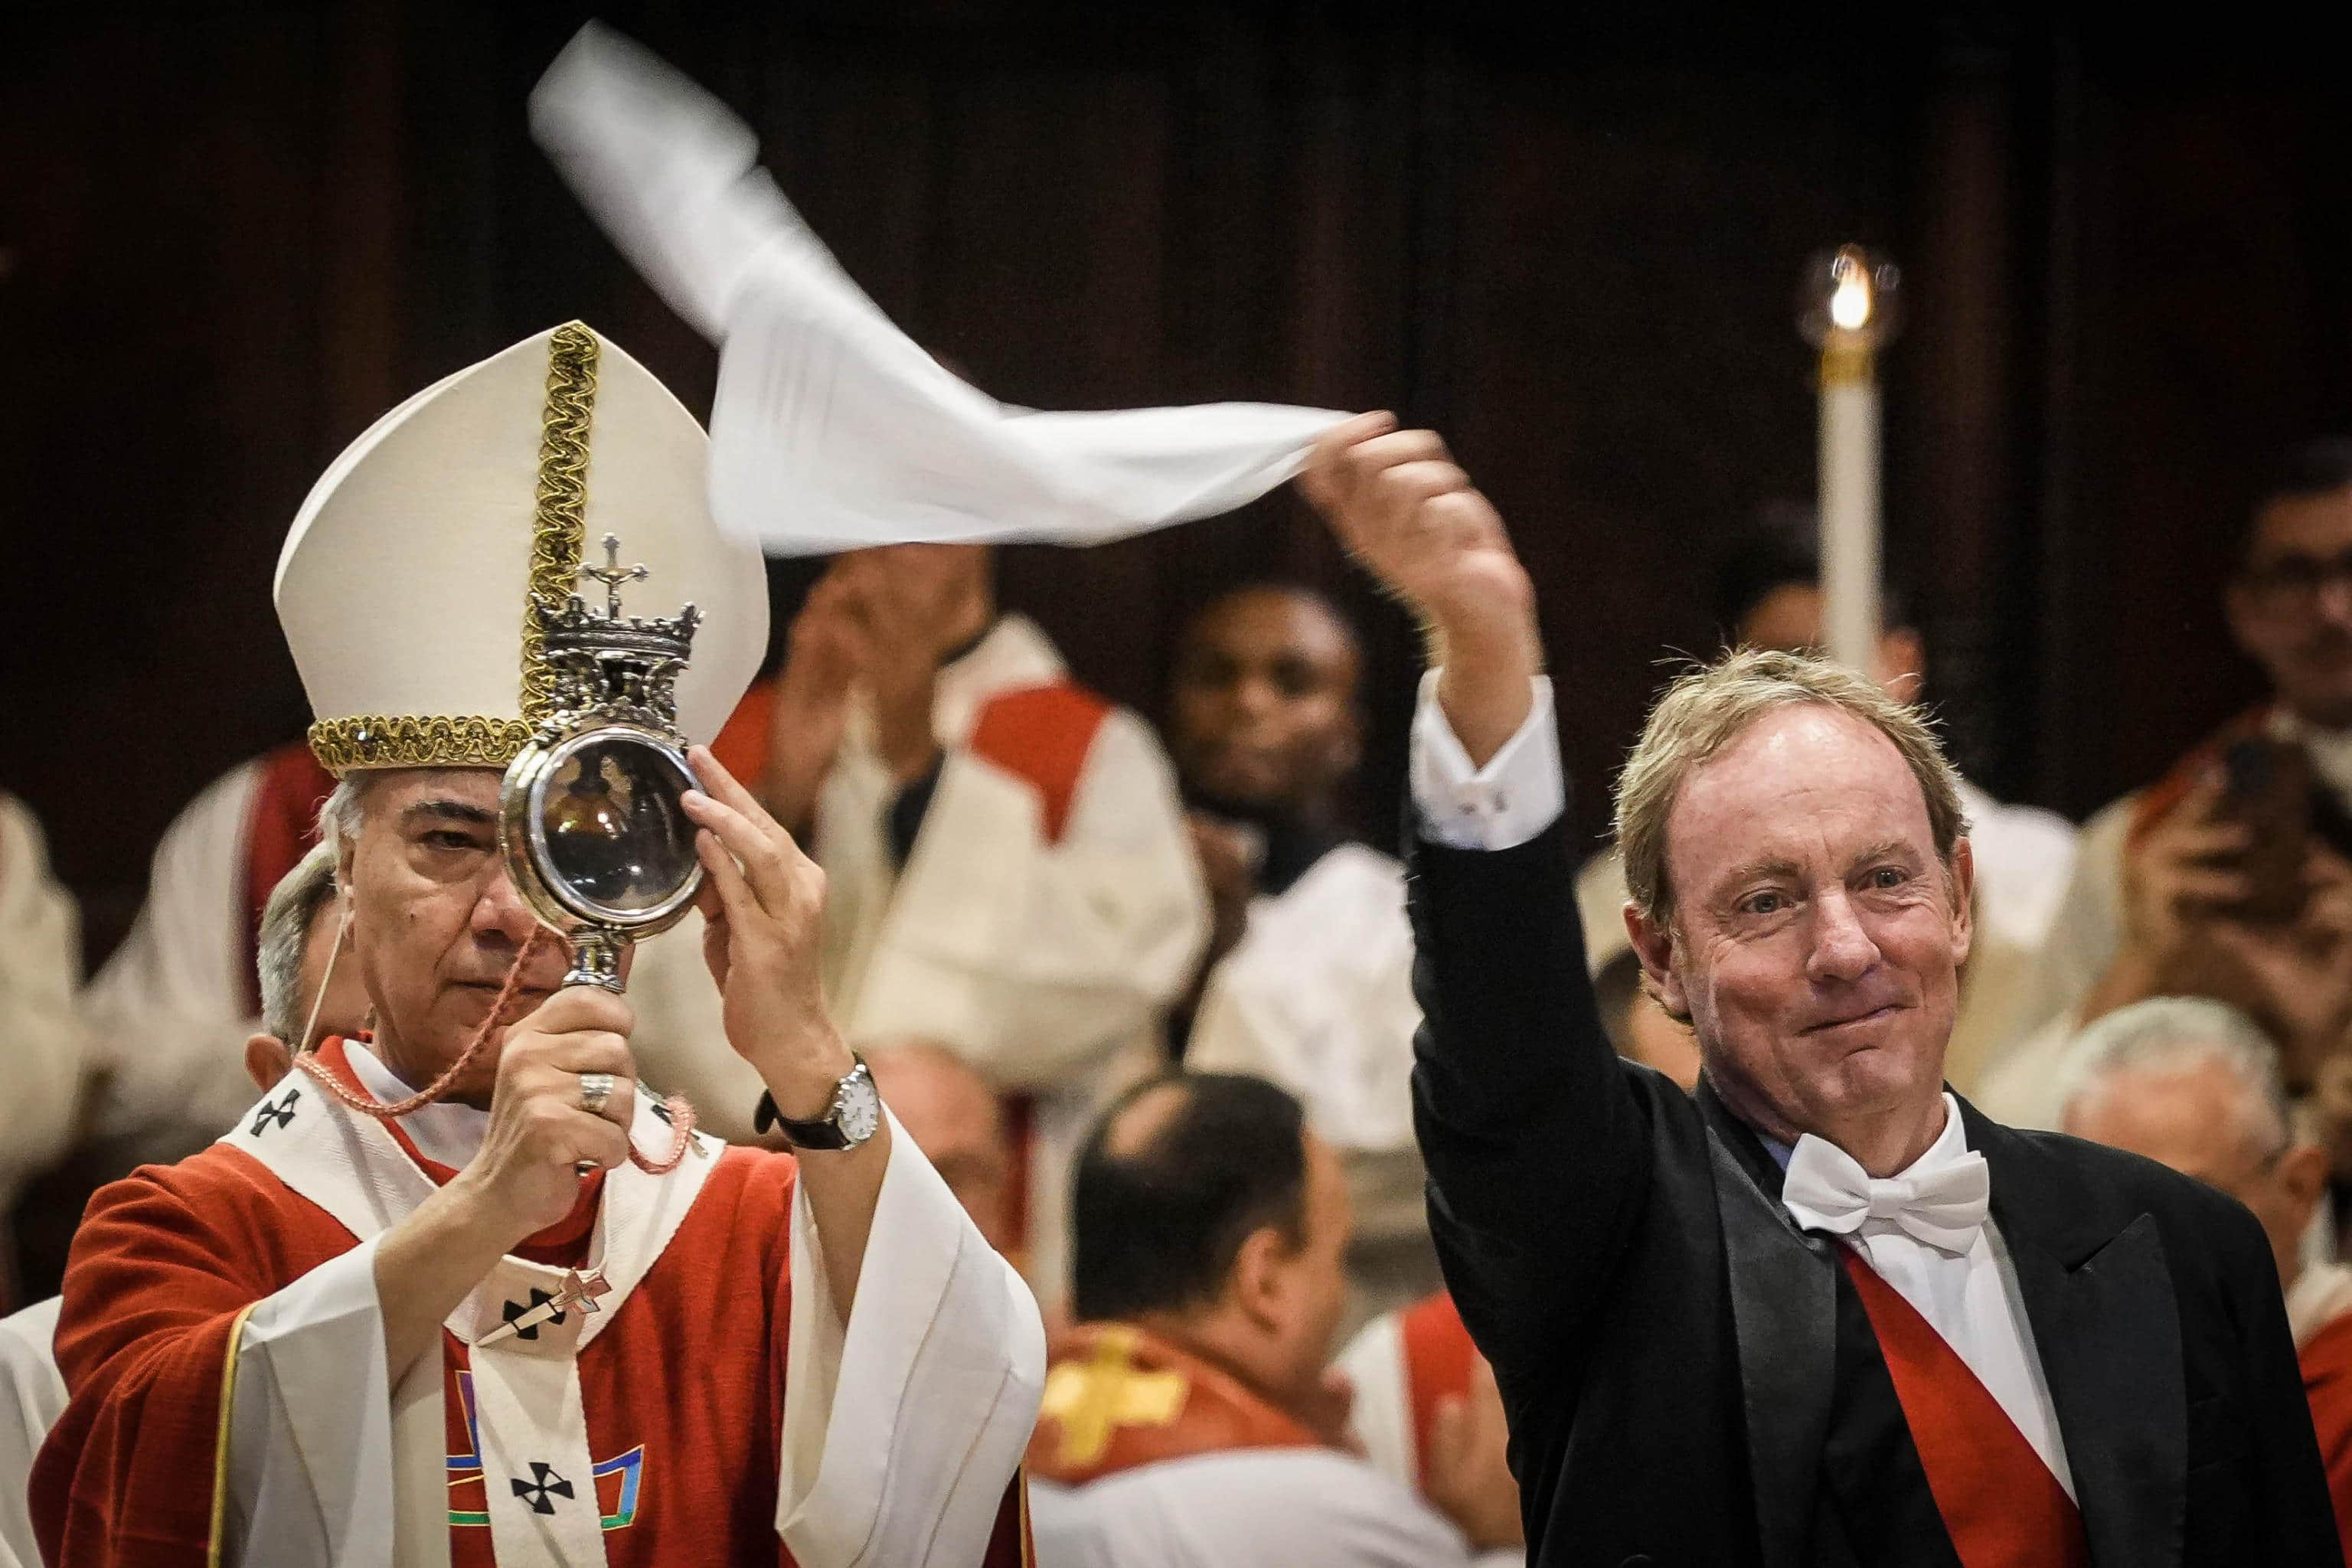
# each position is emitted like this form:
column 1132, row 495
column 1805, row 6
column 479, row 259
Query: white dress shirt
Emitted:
column 1971, row 1298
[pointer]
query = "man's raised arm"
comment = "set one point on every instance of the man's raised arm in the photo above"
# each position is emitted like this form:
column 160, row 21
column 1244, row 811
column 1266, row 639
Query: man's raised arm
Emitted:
column 1538, row 1152
column 1402, row 508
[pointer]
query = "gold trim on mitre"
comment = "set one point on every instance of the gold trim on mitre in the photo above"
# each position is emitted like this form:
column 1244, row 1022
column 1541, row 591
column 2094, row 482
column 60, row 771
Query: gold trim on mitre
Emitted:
column 558, row 530
column 558, row 527
column 417, row 740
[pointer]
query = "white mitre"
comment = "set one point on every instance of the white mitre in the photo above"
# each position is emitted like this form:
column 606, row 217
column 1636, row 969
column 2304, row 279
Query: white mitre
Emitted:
column 407, row 581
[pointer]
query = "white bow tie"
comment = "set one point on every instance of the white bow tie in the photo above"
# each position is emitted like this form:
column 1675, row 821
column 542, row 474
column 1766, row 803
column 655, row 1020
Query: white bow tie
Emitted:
column 1826, row 1189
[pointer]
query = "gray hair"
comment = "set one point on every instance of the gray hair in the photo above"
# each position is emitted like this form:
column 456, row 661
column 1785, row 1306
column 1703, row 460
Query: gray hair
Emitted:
column 2173, row 1034
column 339, row 815
column 285, row 920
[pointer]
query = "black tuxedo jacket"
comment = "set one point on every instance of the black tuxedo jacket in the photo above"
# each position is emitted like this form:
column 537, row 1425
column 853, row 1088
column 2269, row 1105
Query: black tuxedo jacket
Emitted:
column 1665, row 1336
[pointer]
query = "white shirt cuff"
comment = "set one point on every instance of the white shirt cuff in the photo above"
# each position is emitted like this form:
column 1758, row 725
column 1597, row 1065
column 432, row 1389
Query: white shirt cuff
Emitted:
column 1521, row 791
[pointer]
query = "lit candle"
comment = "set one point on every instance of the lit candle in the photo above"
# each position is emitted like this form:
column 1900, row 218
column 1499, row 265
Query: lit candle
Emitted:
column 1848, row 312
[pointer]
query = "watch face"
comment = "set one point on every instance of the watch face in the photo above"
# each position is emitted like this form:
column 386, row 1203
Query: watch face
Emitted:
column 857, row 1109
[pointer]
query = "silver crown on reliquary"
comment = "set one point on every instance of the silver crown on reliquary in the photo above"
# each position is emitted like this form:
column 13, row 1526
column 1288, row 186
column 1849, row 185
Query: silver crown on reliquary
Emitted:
column 624, row 668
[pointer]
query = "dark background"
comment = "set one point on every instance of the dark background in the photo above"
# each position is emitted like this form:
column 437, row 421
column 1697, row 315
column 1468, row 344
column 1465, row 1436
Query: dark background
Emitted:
column 232, row 235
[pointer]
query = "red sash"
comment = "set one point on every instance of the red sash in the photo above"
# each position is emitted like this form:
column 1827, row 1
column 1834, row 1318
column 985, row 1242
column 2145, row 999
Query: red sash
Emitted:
column 1117, row 1398
column 2001, row 1505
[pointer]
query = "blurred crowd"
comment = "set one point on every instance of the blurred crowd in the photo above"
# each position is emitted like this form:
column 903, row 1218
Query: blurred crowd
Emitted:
column 1149, row 1009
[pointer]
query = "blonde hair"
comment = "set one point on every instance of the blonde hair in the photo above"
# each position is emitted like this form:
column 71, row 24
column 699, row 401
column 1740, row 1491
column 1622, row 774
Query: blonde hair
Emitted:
column 1707, row 709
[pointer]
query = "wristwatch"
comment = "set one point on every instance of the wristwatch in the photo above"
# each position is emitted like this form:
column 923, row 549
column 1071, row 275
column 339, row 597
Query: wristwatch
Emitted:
column 855, row 1115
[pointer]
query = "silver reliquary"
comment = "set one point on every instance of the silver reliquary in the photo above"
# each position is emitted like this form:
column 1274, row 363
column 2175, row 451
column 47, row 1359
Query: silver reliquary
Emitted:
column 589, row 820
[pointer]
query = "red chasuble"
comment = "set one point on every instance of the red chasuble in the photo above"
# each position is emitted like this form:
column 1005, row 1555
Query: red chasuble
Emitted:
column 683, row 1392
column 1117, row 1398
column 2001, row 1505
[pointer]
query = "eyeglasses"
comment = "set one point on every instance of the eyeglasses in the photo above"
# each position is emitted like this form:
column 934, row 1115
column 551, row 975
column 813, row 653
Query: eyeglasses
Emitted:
column 2294, row 579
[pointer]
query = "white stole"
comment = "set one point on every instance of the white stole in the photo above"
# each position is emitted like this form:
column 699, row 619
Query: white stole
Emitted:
column 533, row 1430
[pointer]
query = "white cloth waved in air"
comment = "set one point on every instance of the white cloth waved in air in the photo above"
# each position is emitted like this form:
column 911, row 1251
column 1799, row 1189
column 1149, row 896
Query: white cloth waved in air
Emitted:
column 831, row 429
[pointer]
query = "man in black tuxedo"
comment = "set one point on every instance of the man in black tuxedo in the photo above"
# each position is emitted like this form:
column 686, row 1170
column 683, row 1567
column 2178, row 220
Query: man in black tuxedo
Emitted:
column 1822, row 1313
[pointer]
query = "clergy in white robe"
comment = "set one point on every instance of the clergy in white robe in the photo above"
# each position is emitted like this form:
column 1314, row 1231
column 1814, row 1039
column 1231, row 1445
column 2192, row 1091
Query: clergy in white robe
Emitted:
column 2091, row 961
column 42, row 1037
column 1308, row 976
column 1191, row 1419
column 2195, row 1084
column 169, row 1009
column 2160, row 902
column 388, row 1319
column 1415, row 1380
column 1007, row 873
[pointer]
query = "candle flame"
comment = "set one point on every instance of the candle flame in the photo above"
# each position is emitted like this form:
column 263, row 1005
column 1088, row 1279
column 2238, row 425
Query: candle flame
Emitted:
column 1850, row 301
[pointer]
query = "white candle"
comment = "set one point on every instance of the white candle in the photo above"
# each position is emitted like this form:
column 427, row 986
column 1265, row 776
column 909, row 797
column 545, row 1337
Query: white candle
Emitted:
column 1849, row 505
column 1846, row 309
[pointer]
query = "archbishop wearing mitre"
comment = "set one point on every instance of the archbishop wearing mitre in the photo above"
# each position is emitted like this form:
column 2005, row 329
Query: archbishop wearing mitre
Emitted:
column 462, row 1291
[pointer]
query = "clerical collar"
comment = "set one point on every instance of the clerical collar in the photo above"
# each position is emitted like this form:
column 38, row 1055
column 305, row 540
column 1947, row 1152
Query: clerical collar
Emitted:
column 445, row 1132
column 1290, row 847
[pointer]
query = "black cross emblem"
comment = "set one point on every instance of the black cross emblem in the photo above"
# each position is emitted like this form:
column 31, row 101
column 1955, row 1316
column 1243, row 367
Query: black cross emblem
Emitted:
column 544, row 1481
column 514, row 1309
column 280, row 1112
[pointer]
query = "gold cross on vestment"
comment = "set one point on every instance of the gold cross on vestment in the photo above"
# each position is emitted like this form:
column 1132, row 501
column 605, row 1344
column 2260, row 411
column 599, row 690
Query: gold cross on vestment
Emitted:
column 613, row 574
column 1094, row 1399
